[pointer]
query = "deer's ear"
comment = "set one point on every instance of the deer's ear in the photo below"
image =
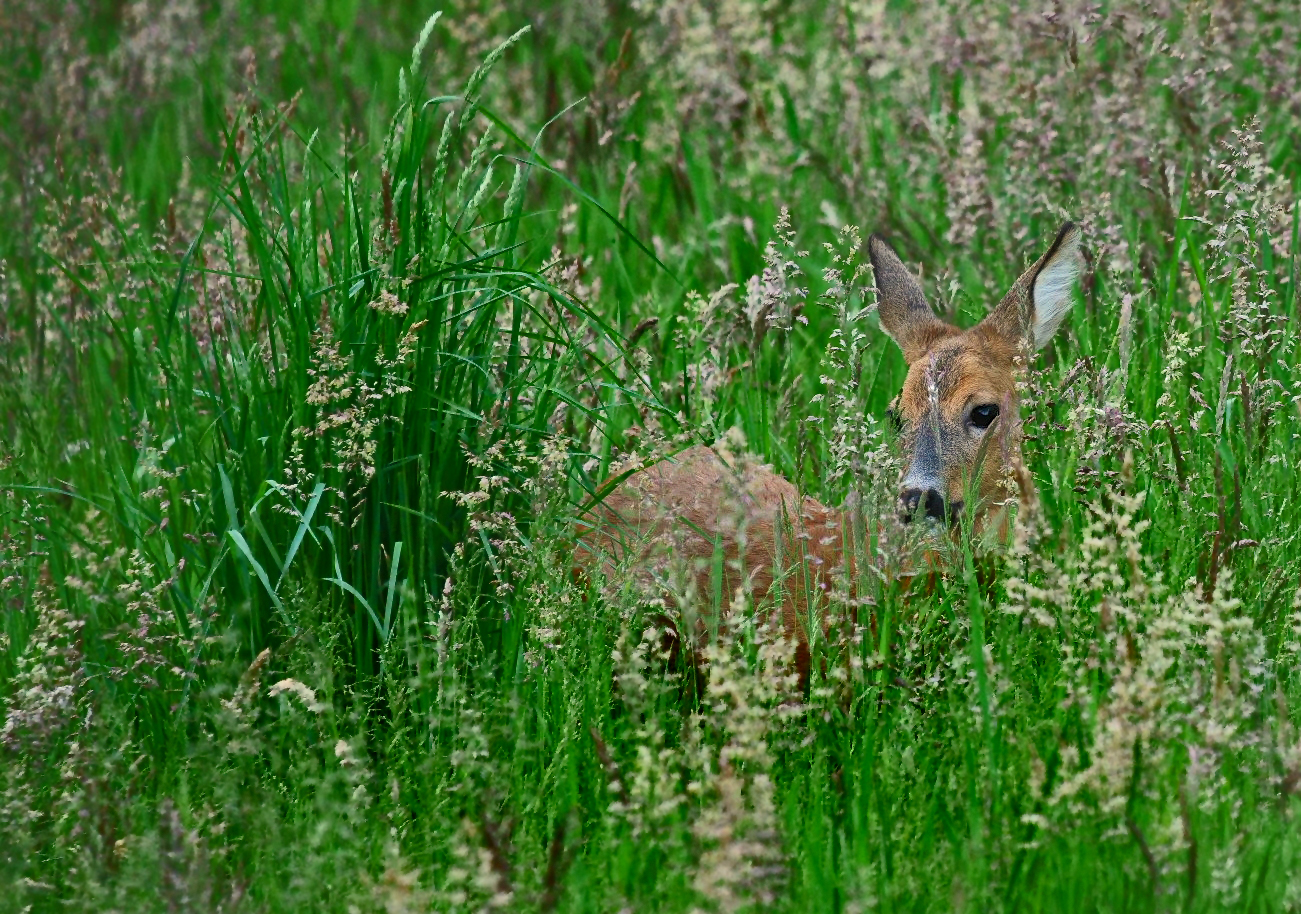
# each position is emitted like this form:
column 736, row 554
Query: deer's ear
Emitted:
column 902, row 306
column 1054, row 281
column 1037, row 304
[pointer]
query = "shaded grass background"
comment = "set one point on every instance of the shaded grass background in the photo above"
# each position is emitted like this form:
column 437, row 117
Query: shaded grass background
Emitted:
column 272, row 301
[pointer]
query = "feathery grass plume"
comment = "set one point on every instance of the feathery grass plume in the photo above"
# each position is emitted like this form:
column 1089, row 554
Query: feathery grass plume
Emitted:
column 553, row 601
column 398, row 889
column 302, row 692
column 749, row 698
column 49, row 680
column 185, row 869
column 349, row 409
column 709, row 337
column 149, row 640
column 43, row 717
column 357, row 776
column 489, row 508
column 726, row 331
column 1037, row 588
column 1250, row 218
column 646, row 793
column 1164, row 673
column 161, row 44
column 477, row 880
column 853, row 440
column 713, row 57
column 774, row 298
column 845, row 442
column 240, row 704
column 970, row 209
column 1292, row 629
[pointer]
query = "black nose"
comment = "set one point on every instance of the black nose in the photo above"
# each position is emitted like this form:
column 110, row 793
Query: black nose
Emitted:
column 929, row 502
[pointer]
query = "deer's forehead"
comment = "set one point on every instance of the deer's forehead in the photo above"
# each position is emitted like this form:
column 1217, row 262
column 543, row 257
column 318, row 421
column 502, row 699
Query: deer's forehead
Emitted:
column 950, row 374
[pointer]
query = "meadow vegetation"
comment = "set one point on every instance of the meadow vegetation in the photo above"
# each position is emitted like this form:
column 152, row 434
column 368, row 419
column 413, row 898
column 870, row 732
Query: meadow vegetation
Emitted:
column 319, row 321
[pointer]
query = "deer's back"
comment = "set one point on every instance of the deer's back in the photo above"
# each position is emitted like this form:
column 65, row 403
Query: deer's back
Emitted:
column 738, row 525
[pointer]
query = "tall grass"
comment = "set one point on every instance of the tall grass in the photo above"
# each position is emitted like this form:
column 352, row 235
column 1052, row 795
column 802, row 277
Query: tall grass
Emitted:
column 314, row 346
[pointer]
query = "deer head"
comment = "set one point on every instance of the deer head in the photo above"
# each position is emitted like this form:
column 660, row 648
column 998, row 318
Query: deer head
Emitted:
column 958, row 411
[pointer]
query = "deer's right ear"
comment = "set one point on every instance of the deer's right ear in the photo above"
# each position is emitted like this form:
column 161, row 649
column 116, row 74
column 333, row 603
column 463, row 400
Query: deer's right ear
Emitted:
column 902, row 306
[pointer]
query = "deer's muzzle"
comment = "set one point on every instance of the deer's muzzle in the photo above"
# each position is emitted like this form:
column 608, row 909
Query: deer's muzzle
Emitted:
column 930, row 503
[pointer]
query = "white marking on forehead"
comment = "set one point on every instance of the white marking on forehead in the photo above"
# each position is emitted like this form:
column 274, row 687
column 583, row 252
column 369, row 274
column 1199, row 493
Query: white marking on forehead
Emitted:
column 932, row 381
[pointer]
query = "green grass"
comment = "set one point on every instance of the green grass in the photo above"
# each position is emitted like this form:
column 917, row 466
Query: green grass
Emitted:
column 331, row 379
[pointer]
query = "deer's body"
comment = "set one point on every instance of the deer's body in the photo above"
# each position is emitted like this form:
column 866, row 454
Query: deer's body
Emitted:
column 735, row 524
column 727, row 525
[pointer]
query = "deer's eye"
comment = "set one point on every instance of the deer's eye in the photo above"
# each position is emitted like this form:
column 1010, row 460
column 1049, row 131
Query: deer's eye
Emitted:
column 984, row 415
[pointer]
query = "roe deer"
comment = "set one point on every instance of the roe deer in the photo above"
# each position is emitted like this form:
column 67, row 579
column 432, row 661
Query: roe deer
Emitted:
column 959, row 427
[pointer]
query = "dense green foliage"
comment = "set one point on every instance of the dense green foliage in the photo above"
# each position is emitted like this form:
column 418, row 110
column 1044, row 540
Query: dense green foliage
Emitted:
column 312, row 348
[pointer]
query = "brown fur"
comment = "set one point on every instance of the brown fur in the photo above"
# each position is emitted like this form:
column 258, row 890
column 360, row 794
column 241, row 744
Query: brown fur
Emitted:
column 739, row 525
column 964, row 369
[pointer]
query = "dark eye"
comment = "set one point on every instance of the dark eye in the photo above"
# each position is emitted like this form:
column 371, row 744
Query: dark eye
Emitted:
column 983, row 416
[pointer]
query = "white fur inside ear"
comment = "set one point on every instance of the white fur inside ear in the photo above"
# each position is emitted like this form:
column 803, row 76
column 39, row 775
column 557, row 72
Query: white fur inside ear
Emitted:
column 1053, row 286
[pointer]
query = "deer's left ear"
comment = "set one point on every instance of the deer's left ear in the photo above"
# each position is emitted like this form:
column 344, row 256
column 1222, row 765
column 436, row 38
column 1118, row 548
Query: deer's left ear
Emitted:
column 1037, row 304
column 901, row 303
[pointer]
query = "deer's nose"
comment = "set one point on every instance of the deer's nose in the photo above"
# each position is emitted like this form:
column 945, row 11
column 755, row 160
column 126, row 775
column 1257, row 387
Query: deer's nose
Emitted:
column 930, row 503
